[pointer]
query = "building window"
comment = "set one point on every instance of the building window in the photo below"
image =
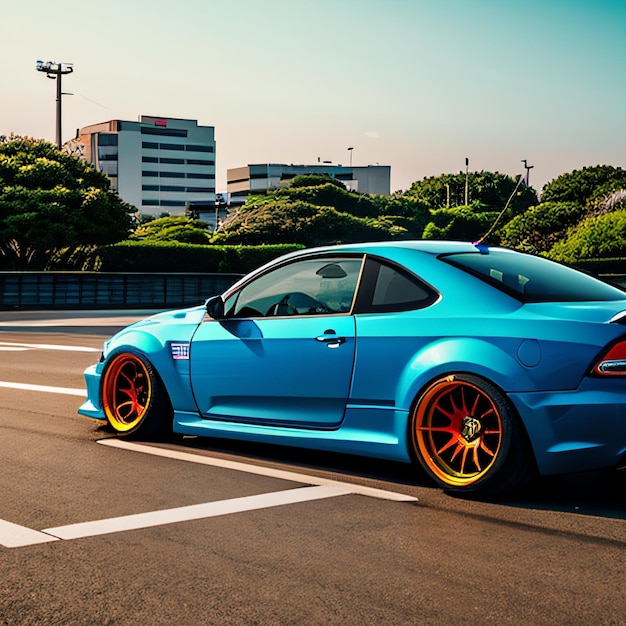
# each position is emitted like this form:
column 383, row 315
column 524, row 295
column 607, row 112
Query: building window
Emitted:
column 172, row 161
column 201, row 189
column 171, row 132
column 151, row 145
column 195, row 175
column 172, row 146
column 199, row 162
column 107, row 139
column 172, row 174
column 198, row 148
column 149, row 173
column 149, row 188
column 149, row 159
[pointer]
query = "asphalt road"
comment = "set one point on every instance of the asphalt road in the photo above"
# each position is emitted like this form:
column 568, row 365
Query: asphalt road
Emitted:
column 200, row 531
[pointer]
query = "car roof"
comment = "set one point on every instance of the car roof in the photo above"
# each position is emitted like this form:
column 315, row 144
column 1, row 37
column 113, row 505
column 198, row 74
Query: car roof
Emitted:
column 430, row 246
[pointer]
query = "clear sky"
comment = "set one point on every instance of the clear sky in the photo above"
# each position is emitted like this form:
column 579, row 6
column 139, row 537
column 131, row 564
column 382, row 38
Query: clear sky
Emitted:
column 416, row 84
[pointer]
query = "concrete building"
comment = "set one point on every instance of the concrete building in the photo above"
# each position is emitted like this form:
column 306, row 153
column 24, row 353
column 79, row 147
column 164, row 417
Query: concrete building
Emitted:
column 158, row 164
column 260, row 178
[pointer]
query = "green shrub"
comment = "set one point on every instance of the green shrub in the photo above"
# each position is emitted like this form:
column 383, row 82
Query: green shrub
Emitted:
column 138, row 256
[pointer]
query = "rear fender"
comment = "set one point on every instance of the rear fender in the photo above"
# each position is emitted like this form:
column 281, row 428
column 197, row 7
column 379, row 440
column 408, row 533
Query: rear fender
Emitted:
column 468, row 355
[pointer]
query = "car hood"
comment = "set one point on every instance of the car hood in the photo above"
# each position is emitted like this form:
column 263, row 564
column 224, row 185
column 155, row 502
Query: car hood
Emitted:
column 193, row 315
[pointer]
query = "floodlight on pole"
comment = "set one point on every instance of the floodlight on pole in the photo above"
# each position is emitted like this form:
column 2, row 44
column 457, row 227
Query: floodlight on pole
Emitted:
column 55, row 71
column 527, row 168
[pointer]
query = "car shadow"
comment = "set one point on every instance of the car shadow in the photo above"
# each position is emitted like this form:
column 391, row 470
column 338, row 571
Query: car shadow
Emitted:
column 598, row 493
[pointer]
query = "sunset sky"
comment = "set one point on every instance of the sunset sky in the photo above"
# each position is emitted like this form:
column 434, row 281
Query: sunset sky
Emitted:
column 415, row 84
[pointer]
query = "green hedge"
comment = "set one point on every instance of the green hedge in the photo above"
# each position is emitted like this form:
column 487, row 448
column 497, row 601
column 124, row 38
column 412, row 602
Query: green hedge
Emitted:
column 137, row 256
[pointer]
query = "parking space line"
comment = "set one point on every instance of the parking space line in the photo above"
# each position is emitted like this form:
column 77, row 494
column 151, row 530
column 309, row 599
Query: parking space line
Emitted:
column 10, row 345
column 194, row 512
column 15, row 536
column 46, row 388
column 257, row 469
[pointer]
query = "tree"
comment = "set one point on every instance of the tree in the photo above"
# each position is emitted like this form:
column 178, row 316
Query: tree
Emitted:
column 281, row 221
column 50, row 200
column 587, row 186
column 314, row 210
column 181, row 229
column 598, row 237
column 487, row 191
column 459, row 224
column 541, row 226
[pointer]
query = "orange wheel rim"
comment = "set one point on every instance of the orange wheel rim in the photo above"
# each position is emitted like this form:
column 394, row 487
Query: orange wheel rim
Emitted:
column 458, row 431
column 126, row 392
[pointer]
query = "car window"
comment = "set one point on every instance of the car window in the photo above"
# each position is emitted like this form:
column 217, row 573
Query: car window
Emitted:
column 387, row 288
column 316, row 286
column 532, row 278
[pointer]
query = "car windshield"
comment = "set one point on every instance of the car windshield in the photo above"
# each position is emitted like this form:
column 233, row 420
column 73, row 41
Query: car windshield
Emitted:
column 533, row 278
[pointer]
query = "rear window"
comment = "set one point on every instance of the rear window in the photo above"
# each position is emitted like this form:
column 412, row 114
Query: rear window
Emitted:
column 533, row 279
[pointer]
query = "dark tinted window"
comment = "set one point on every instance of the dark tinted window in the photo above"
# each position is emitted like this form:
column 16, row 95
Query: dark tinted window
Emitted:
column 171, row 132
column 387, row 288
column 107, row 140
column 532, row 278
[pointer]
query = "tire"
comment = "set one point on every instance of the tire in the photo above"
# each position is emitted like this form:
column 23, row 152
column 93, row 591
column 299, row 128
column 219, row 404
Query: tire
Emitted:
column 468, row 438
column 134, row 399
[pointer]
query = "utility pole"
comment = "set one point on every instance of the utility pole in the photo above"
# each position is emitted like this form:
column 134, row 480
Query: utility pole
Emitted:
column 466, row 181
column 55, row 71
column 527, row 168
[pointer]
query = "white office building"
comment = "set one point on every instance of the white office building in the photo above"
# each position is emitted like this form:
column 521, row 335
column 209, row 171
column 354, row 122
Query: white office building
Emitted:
column 158, row 164
column 264, row 177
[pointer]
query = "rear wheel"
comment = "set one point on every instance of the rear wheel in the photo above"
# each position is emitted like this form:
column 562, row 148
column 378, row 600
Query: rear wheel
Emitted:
column 134, row 398
column 468, row 438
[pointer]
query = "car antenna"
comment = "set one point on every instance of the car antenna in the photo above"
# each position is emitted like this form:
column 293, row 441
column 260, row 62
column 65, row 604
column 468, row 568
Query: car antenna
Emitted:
column 480, row 241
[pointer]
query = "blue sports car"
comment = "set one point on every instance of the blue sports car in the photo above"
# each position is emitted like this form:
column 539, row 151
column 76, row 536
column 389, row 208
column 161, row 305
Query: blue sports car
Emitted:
column 483, row 364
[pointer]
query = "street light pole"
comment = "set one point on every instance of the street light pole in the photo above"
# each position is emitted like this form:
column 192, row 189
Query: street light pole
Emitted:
column 55, row 71
column 350, row 151
column 527, row 168
column 466, row 181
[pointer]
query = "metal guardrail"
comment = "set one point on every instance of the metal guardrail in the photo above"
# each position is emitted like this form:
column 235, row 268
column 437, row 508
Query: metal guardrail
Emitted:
column 93, row 290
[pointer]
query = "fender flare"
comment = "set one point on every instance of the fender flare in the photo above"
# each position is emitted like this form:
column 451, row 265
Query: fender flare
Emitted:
column 455, row 355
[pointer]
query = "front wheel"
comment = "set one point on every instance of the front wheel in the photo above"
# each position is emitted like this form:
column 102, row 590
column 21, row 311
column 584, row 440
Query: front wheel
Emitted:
column 468, row 438
column 134, row 398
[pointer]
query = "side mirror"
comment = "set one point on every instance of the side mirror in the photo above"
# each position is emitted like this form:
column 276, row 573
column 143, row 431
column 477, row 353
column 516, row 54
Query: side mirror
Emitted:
column 215, row 307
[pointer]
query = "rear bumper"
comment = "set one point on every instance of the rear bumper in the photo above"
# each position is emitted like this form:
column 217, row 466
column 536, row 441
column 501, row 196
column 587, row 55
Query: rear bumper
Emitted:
column 576, row 430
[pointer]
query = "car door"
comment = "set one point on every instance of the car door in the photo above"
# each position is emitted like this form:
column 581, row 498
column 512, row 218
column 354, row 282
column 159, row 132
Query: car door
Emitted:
column 284, row 351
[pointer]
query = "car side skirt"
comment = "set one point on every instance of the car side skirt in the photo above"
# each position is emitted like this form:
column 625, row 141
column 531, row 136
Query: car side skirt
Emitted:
column 379, row 432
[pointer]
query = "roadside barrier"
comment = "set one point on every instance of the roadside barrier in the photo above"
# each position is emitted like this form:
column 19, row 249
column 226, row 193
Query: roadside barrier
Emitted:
column 93, row 290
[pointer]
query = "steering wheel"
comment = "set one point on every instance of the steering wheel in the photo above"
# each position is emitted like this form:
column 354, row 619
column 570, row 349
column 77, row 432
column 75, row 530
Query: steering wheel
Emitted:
column 290, row 304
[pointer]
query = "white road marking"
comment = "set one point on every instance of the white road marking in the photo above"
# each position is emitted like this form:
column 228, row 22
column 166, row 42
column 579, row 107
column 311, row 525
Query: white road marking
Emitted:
column 14, row 536
column 258, row 470
column 7, row 345
column 26, row 387
column 194, row 512
column 12, row 349
column 118, row 322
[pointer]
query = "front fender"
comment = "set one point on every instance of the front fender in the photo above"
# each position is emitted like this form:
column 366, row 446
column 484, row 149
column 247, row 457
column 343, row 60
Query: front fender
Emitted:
column 173, row 372
column 497, row 363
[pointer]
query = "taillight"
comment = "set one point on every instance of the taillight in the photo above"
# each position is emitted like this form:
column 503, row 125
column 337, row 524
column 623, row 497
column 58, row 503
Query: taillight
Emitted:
column 612, row 362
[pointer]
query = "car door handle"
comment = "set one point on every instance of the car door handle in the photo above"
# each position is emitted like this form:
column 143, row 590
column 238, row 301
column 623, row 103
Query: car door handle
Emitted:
column 332, row 341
